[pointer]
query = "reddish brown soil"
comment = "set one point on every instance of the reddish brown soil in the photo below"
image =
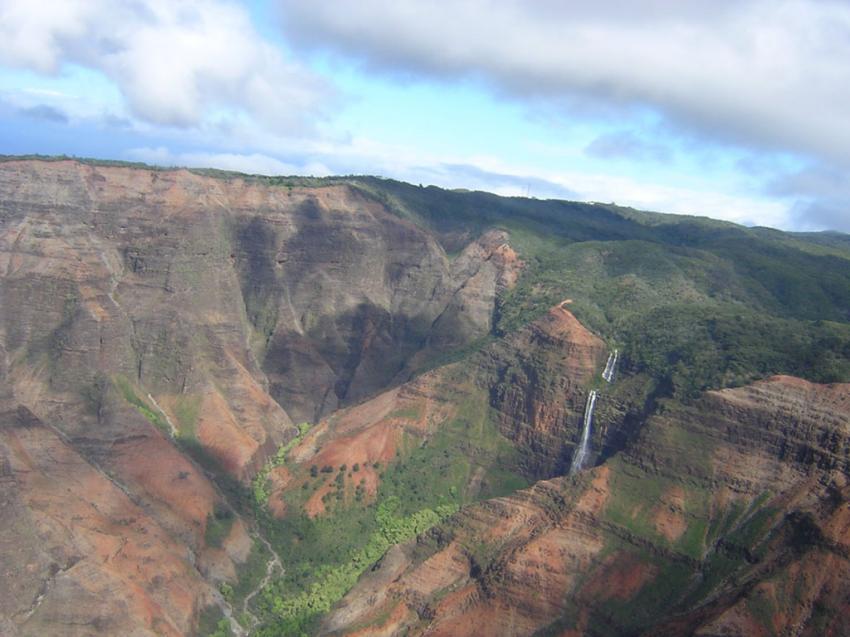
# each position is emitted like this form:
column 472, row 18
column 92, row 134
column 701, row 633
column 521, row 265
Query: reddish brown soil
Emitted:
column 369, row 433
column 669, row 515
column 219, row 432
column 101, row 542
column 620, row 576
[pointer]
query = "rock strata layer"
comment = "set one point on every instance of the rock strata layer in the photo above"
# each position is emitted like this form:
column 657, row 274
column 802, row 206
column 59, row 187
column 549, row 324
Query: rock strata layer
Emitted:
column 727, row 517
column 144, row 313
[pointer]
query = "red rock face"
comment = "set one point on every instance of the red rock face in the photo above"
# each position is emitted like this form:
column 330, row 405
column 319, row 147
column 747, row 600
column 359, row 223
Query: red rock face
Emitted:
column 86, row 558
column 122, row 273
column 534, row 411
column 369, row 435
column 132, row 298
column 537, row 379
column 223, row 291
column 139, row 306
column 319, row 295
column 600, row 552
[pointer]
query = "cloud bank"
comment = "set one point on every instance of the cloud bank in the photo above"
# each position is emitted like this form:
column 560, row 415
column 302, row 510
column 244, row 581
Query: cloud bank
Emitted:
column 762, row 75
column 772, row 72
column 175, row 63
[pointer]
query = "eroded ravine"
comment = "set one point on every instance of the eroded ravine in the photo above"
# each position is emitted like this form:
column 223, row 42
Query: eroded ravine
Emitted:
column 274, row 564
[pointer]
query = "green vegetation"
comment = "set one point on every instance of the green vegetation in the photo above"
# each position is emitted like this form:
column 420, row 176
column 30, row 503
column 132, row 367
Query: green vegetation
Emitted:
column 687, row 317
column 693, row 304
column 141, row 406
column 413, row 412
column 446, row 464
column 289, row 614
column 250, row 574
column 762, row 608
column 260, row 483
column 742, row 532
column 719, row 567
column 186, row 411
column 213, row 623
column 669, row 585
column 82, row 160
column 754, row 530
column 696, row 303
column 464, row 460
column 696, row 348
column 633, row 498
column 740, row 303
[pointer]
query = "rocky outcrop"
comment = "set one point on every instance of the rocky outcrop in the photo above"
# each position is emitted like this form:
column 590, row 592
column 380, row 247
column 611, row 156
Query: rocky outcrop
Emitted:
column 371, row 435
column 350, row 298
column 144, row 313
column 538, row 382
column 188, row 284
column 120, row 276
column 704, row 526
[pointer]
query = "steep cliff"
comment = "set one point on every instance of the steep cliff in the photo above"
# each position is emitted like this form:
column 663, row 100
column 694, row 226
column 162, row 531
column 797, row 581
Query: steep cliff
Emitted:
column 729, row 516
column 212, row 295
column 147, row 313
column 537, row 380
column 528, row 391
column 84, row 553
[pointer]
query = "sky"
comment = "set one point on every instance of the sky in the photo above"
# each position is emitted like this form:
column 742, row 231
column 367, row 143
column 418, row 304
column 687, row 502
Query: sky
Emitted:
column 733, row 109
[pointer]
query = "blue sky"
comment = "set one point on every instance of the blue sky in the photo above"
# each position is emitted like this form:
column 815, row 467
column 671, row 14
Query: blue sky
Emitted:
column 735, row 110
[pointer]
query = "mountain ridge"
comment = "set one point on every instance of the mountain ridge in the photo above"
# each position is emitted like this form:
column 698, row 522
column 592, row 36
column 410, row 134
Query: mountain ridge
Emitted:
column 306, row 180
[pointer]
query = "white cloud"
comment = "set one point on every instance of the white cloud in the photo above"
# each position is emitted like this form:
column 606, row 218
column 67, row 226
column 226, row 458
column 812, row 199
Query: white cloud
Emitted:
column 821, row 197
column 363, row 155
column 626, row 191
column 197, row 74
column 625, row 144
column 251, row 163
column 769, row 72
column 768, row 76
column 706, row 202
column 176, row 63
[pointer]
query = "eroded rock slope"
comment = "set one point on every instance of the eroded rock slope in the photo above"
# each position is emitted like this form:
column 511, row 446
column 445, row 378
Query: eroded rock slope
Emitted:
column 144, row 313
column 727, row 517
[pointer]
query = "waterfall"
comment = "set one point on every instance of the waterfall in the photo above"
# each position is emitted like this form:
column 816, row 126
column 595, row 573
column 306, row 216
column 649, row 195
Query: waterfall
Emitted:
column 611, row 365
column 584, row 445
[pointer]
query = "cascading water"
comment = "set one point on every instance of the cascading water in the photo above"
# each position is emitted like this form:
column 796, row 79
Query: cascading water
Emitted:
column 584, row 445
column 610, row 366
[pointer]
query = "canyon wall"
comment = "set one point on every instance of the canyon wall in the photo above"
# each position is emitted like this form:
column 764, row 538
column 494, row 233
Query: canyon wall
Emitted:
column 730, row 516
column 146, row 313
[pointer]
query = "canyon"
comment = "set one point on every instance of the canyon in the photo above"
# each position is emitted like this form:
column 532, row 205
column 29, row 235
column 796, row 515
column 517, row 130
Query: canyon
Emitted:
column 241, row 405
